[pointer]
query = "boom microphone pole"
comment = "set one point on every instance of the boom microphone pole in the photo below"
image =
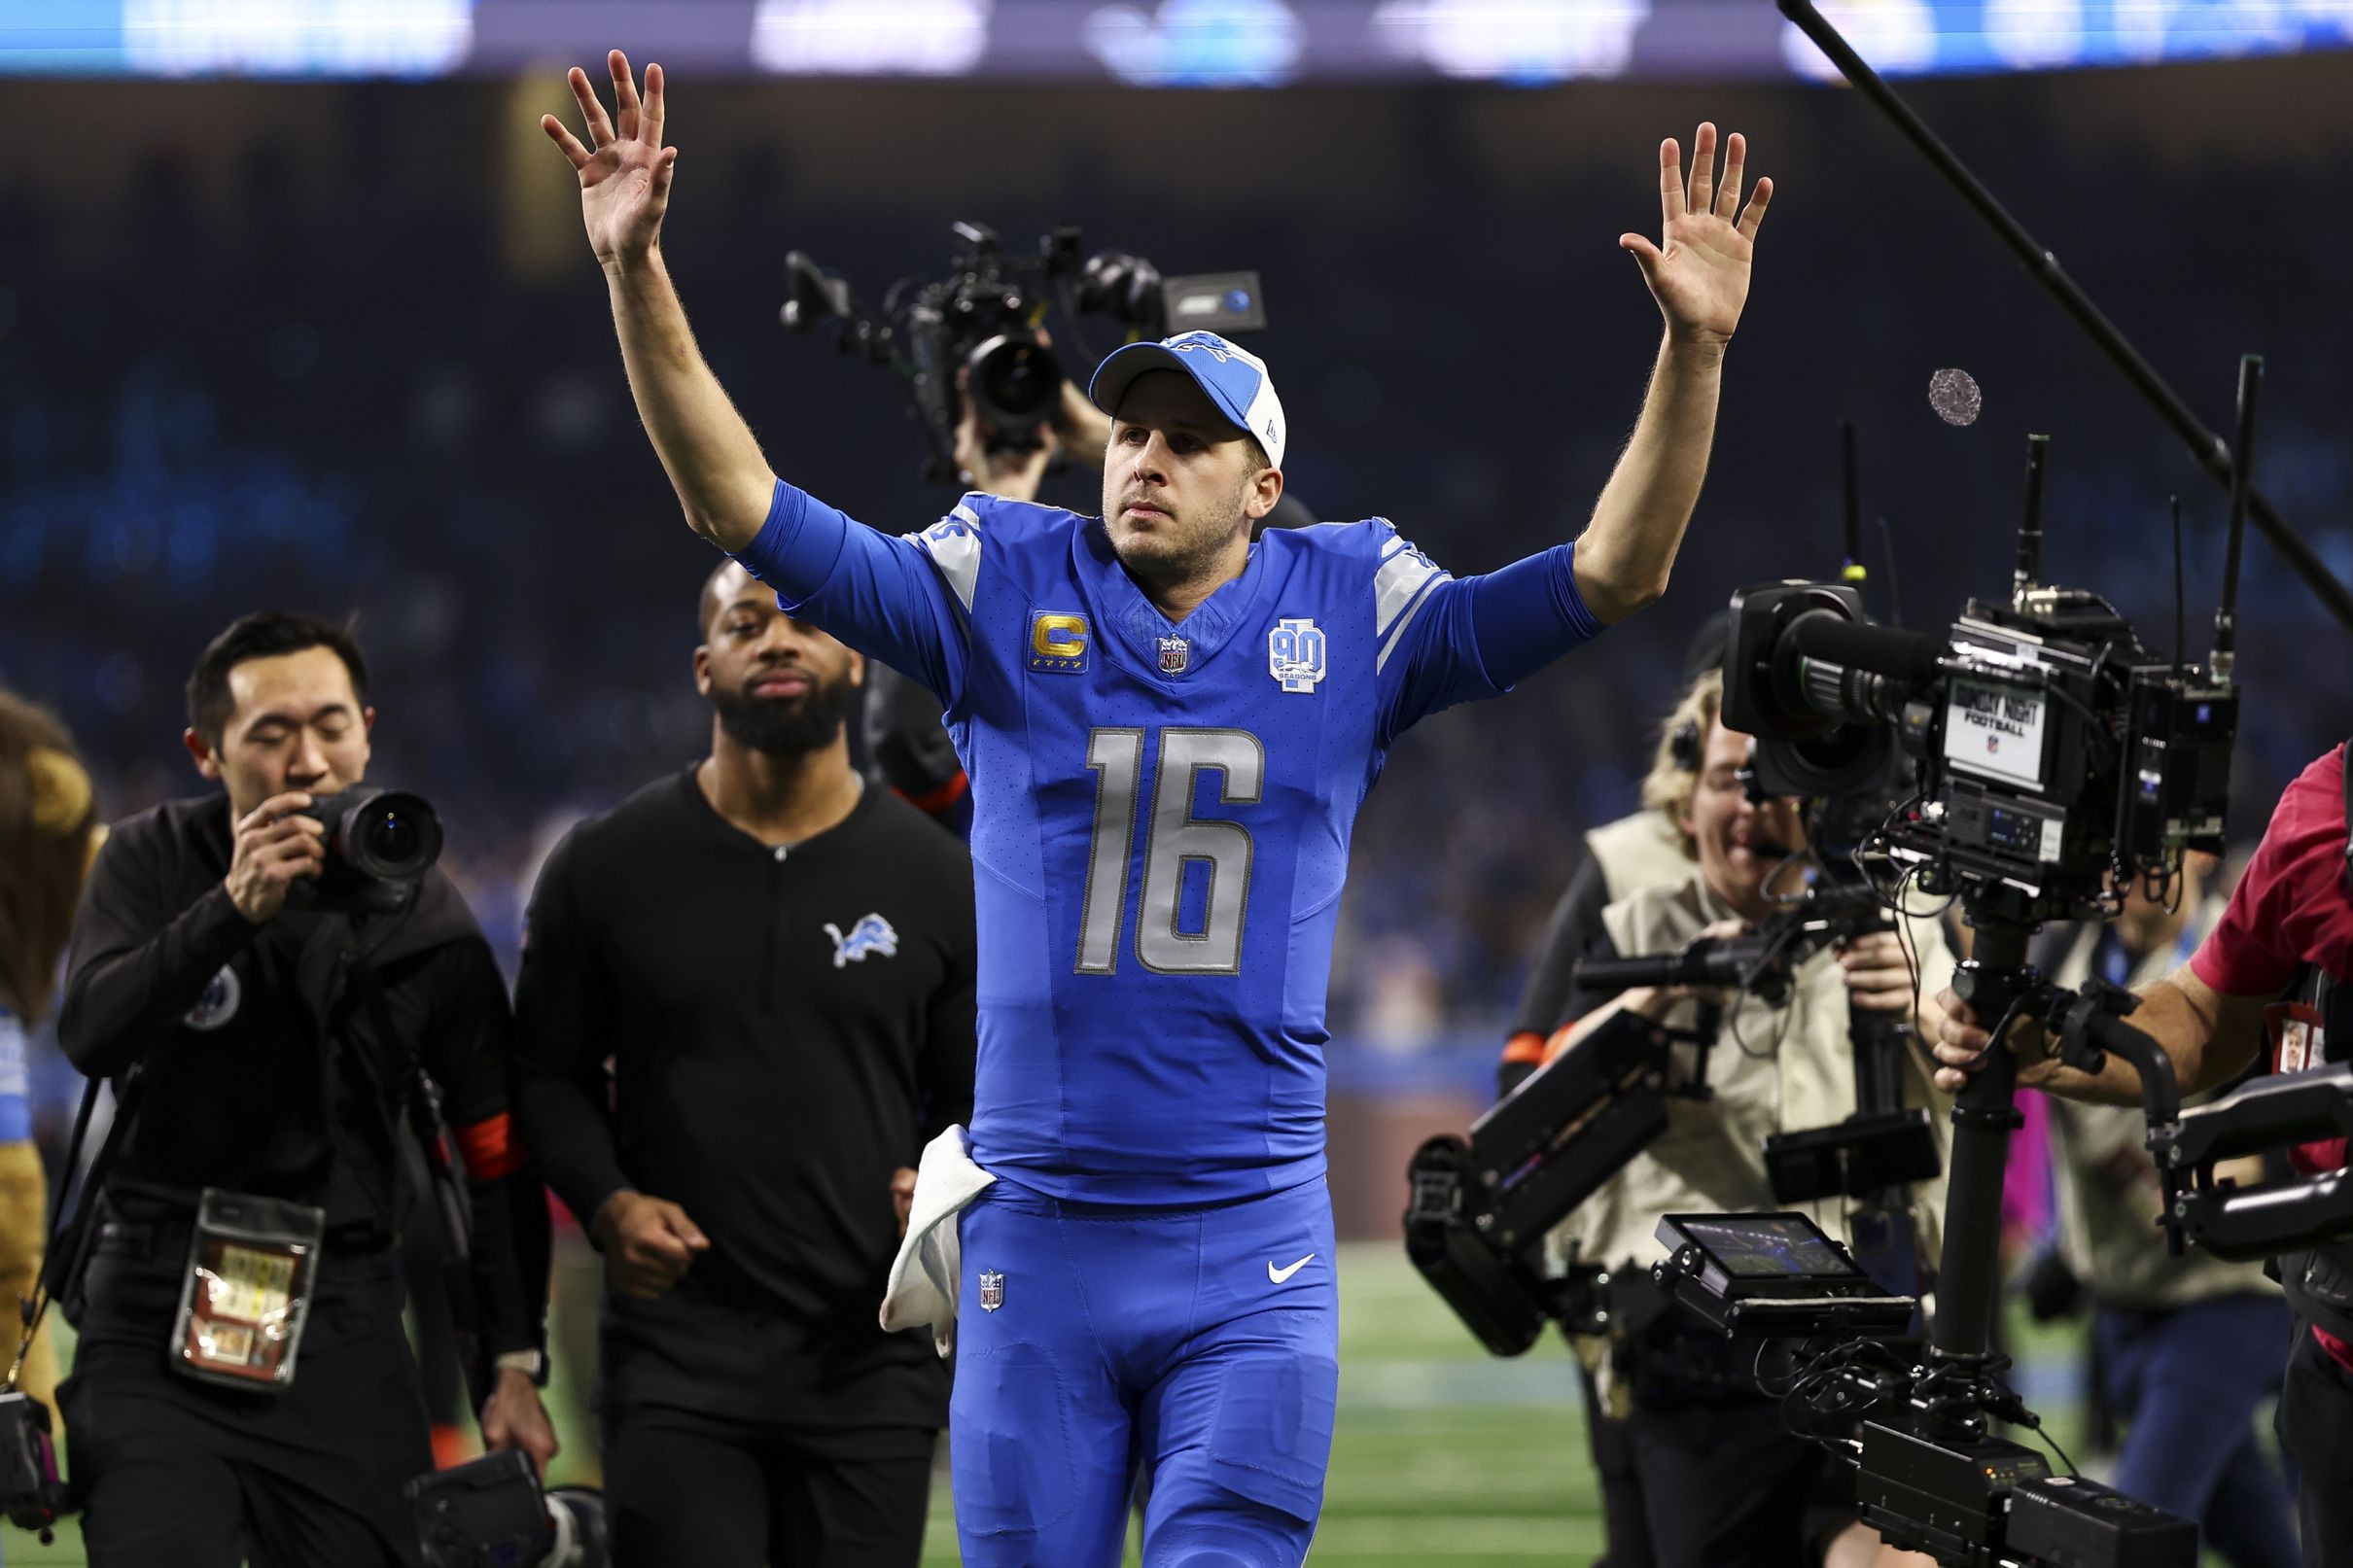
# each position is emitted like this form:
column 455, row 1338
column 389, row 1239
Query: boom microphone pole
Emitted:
column 2208, row 448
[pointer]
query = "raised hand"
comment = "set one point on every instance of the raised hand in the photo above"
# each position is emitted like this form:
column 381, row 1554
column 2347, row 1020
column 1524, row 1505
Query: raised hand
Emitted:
column 625, row 181
column 1699, row 275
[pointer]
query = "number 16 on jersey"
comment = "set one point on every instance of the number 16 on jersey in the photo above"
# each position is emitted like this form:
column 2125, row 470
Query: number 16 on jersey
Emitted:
column 1175, row 839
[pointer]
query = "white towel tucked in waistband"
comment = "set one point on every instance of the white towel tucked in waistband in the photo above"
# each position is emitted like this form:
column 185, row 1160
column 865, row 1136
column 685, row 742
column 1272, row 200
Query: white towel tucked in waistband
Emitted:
column 924, row 1276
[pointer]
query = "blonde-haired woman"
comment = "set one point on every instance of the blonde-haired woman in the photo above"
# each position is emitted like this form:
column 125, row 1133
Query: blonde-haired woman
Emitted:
column 1704, row 1470
column 48, row 832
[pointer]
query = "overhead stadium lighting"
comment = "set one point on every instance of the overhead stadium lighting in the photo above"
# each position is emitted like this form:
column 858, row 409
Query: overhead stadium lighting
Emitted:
column 295, row 37
column 1523, row 41
column 1198, row 43
column 871, row 37
column 1898, row 37
column 1912, row 37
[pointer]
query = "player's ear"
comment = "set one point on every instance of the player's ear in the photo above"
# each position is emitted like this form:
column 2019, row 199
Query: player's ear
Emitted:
column 702, row 669
column 1266, row 488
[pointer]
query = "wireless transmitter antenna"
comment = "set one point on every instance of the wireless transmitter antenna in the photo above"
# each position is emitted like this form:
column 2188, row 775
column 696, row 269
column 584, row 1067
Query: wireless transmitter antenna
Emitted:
column 2243, row 468
column 2028, row 574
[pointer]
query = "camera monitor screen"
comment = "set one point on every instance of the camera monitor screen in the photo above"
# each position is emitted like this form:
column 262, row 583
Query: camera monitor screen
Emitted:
column 1769, row 1246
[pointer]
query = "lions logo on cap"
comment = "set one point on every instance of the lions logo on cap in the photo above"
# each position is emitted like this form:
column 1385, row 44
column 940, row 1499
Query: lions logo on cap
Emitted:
column 219, row 1003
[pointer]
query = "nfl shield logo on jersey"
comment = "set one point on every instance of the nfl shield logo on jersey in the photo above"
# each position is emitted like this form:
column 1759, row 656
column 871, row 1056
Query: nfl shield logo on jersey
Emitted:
column 1294, row 653
column 992, row 1290
column 1174, row 654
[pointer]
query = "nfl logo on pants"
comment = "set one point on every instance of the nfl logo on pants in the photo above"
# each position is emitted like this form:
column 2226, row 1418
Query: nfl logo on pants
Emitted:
column 992, row 1290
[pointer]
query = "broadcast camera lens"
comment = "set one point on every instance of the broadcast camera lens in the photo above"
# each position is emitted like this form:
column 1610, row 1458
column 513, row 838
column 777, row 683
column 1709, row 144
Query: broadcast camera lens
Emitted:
column 1014, row 382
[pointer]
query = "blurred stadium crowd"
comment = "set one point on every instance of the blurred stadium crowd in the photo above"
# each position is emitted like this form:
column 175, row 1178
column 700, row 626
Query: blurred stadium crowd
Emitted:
column 329, row 352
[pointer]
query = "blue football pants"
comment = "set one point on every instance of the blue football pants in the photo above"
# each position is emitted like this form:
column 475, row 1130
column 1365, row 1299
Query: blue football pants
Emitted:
column 1196, row 1351
column 2189, row 1380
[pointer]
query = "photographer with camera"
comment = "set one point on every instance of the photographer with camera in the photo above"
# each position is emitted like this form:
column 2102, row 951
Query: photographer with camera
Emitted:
column 284, row 991
column 2187, row 1347
column 1709, row 1475
column 2274, row 973
column 746, row 1003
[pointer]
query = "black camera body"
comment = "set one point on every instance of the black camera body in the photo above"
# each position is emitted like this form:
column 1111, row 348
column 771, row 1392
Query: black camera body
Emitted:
column 32, row 1493
column 491, row 1513
column 974, row 334
column 2060, row 760
column 380, row 844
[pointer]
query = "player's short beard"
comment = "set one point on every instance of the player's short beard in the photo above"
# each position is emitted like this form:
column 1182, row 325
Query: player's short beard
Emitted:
column 1172, row 563
column 783, row 727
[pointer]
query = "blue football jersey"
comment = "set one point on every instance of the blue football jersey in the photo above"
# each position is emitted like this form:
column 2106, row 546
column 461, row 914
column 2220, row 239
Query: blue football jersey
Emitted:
column 1161, row 811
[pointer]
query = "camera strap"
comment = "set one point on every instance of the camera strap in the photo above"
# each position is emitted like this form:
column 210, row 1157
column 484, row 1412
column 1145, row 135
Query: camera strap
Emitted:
column 46, row 1283
column 449, row 1189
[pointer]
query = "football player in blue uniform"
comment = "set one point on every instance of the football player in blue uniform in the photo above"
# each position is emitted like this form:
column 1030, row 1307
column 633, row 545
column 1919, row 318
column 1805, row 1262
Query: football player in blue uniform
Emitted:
column 1169, row 729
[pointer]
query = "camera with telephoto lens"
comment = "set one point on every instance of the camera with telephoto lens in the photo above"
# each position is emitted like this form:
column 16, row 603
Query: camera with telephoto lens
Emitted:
column 2061, row 761
column 492, row 1513
column 974, row 334
column 380, row 844
column 32, row 1493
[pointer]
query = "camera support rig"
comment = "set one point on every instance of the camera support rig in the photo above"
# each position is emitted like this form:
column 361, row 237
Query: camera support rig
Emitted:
column 1478, row 1208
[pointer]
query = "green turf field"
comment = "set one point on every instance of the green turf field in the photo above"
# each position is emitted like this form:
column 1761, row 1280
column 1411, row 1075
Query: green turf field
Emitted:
column 1444, row 1457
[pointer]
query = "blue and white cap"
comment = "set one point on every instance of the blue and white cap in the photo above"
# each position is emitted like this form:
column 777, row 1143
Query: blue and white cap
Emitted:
column 1235, row 378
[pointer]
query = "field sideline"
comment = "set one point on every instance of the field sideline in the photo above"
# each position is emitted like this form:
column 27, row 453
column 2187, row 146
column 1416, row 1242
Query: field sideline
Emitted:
column 1444, row 1457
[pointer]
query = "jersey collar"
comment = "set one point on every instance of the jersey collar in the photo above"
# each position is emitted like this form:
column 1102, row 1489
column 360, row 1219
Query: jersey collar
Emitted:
column 1139, row 622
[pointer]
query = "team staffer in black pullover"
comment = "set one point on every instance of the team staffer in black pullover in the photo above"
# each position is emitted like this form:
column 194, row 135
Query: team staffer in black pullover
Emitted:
column 746, row 1003
column 263, row 1072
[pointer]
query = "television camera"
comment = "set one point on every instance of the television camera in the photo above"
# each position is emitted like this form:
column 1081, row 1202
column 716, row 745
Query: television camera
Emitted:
column 975, row 333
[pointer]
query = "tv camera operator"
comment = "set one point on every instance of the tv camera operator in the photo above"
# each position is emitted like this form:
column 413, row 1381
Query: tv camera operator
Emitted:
column 1708, row 1470
column 2186, row 1348
column 2275, row 973
column 1646, row 848
column 283, row 990
column 777, row 962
